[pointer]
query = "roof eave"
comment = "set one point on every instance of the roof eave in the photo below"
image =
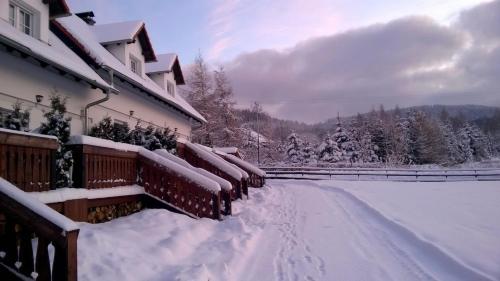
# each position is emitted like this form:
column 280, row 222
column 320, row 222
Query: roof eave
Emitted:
column 28, row 52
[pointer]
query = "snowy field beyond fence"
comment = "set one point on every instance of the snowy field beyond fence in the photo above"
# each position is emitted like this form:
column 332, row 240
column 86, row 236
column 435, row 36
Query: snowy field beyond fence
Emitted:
column 310, row 230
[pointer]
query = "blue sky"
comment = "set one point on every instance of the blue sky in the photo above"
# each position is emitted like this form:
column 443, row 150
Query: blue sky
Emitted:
column 308, row 60
column 222, row 29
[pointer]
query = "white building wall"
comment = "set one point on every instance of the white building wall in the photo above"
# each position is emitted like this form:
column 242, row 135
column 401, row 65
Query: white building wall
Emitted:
column 118, row 51
column 135, row 50
column 41, row 15
column 21, row 81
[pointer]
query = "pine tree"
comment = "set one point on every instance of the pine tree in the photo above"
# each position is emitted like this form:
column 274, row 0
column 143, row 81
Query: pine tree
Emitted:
column 367, row 149
column 17, row 119
column 167, row 138
column 136, row 135
column 328, row 151
column 293, row 149
column 345, row 143
column 308, row 154
column 121, row 132
column 59, row 126
column 451, row 144
column 473, row 143
column 103, row 130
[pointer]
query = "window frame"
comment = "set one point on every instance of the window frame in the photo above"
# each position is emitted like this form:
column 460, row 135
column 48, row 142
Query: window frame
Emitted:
column 135, row 65
column 21, row 12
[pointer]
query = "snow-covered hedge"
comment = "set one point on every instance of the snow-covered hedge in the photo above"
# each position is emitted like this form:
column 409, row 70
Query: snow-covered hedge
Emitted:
column 36, row 206
column 224, row 184
column 215, row 160
column 187, row 173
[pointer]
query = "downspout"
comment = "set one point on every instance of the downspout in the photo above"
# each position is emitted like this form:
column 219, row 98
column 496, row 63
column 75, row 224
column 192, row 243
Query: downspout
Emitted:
column 106, row 98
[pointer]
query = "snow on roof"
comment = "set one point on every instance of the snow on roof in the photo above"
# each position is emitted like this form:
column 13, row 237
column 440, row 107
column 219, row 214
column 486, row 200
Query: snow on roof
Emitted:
column 164, row 63
column 187, row 173
column 242, row 163
column 127, row 31
column 81, row 139
column 227, row 149
column 82, row 32
column 215, row 160
column 55, row 53
column 224, row 184
column 116, row 32
column 36, row 206
column 27, row 134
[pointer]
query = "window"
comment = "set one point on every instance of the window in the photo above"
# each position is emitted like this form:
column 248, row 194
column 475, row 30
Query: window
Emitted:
column 135, row 65
column 21, row 18
column 12, row 15
column 171, row 88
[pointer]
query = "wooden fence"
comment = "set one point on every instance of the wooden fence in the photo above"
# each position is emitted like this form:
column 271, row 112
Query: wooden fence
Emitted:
column 23, row 233
column 28, row 161
column 316, row 173
column 195, row 160
column 162, row 183
column 98, row 167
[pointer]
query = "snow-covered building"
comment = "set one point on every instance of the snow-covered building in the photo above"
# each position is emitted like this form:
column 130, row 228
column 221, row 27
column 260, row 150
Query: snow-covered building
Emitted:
column 102, row 69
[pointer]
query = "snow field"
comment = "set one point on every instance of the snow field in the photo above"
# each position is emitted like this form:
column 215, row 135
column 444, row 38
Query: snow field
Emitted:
column 310, row 230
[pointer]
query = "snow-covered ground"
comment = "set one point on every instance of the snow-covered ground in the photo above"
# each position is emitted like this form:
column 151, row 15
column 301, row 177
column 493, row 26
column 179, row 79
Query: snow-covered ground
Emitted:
column 310, row 230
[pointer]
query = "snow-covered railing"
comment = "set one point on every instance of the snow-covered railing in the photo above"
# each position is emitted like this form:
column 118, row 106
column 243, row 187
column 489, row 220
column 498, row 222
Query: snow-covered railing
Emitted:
column 179, row 186
column 226, row 186
column 382, row 174
column 257, row 176
column 199, row 157
column 27, row 160
column 36, row 242
column 99, row 163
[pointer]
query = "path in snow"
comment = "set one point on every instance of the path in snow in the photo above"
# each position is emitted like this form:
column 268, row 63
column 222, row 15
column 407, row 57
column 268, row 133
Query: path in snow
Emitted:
column 296, row 230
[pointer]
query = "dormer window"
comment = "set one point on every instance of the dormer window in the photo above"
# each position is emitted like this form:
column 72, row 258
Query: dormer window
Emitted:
column 22, row 18
column 135, row 65
column 171, row 88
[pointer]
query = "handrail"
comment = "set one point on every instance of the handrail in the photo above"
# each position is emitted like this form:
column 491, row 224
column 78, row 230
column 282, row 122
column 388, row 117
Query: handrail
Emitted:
column 387, row 174
column 28, row 222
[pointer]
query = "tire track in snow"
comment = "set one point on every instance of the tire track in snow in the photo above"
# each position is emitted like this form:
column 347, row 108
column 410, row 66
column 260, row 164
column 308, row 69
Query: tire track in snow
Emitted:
column 420, row 259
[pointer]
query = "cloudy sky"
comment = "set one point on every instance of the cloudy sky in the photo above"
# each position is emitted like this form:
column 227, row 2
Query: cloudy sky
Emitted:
column 309, row 59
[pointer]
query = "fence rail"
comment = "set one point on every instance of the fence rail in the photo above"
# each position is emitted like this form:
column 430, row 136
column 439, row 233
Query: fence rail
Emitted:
column 27, row 161
column 25, row 242
column 171, row 188
column 381, row 174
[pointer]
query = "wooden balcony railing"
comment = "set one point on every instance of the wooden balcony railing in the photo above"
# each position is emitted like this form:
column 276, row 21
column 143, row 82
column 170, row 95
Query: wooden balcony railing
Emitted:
column 35, row 241
column 159, row 181
column 28, row 160
column 192, row 158
column 104, row 167
column 100, row 167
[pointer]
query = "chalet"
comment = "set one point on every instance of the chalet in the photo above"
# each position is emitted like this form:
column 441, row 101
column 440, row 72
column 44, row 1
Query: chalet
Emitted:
column 103, row 70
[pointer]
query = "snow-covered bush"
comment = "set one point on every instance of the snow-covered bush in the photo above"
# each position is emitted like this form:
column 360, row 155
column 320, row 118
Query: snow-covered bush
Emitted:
column 17, row 119
column 56, row 124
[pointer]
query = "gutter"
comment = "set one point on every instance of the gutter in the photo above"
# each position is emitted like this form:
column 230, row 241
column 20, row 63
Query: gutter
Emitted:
column 94, row 103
